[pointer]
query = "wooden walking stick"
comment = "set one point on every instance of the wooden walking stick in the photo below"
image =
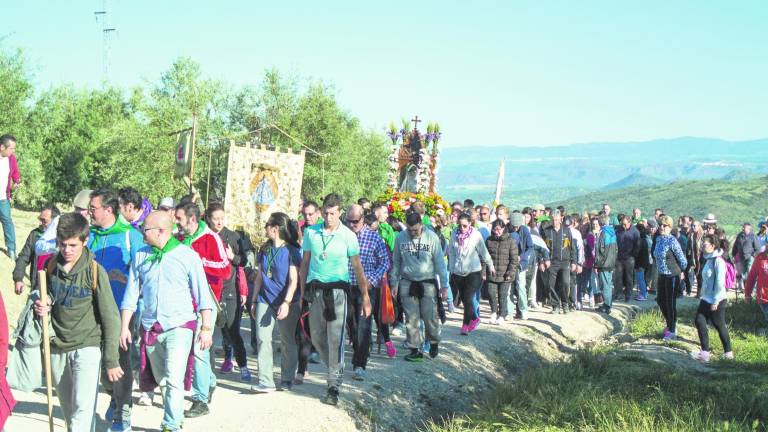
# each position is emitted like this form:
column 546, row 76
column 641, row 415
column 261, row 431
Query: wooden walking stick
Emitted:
column 42, row 278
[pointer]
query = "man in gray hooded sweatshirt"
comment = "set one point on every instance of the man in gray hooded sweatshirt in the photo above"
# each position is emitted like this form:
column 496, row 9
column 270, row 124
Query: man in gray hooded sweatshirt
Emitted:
column 418, row 270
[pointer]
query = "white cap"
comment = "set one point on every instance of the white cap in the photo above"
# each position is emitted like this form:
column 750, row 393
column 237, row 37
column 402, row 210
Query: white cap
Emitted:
column 167, row 203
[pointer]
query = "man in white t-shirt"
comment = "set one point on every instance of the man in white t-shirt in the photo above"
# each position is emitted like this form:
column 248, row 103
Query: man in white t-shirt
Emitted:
column 9, row 179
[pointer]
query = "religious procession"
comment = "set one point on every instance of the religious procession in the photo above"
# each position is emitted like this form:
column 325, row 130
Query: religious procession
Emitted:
column 130, row 298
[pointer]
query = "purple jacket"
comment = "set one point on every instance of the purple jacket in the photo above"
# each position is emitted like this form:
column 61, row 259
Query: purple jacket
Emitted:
column 13, row 176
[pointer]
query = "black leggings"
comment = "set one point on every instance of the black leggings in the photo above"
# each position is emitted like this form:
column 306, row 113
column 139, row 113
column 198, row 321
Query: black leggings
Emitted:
column 303, row 340
column 231, row 337
column 704, row 314
column 467, row 286
column 498, row 293
column 666, row 298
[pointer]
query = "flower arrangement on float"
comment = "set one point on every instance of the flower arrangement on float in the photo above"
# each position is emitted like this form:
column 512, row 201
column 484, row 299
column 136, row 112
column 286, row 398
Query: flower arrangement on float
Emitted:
column 399, row 203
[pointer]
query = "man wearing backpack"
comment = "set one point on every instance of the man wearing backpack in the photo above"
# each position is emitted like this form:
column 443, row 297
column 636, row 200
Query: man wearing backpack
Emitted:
column 745, row 247
column 605, row 261
column 85, row 319
column 114, row 243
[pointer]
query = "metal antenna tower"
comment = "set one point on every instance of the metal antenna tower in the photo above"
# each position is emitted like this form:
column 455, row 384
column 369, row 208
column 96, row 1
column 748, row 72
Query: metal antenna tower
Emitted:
column 106, row 32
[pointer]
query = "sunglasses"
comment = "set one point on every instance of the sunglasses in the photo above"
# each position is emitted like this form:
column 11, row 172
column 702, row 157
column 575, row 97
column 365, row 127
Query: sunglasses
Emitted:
column 353, row 222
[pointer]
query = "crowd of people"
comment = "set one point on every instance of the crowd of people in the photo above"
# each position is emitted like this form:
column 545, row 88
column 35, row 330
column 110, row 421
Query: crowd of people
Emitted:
column 136, row 293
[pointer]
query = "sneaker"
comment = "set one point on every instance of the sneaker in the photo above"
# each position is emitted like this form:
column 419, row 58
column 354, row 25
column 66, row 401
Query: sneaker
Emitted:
column 532, row 305
column 118, row 426
column 391, row 351
column 197, row 409
column 591, row 302
column 665, row 333
column 728, row 355
column 359, row 374
column 670, row 337
column 414, row 356
column 433, row 350
column 702, row 356
column 501, row 321
column 110, row 414
column 245, row 375
column 641, row 297
column 332, row 397
column 474, row 324
column 286, row 385
column 314, row 358
column 261, row 388
column 493, row 319
column 145, row 399
column 298, row 379
column 555, row 310
column 227, row 366
column 465, row 330
column 451, row 307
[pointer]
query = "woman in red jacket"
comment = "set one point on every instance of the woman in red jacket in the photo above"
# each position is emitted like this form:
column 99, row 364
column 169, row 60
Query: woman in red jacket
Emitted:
column 758, row 279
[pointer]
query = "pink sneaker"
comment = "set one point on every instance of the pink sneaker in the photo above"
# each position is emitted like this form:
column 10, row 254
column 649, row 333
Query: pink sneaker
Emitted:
column 728, row 355
column 702, row 356
column 666, row 333
column 227, row 366
column 391, row 351
column 465, row 330
column 473, row 325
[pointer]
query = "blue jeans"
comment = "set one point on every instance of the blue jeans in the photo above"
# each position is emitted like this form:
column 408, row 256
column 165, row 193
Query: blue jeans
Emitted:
column 476, row 300
column 522, row 293
column 204, row 379
column 9, row 232
column 168, row 357
column 640, row 278
column 587, row 283
column 605, row 282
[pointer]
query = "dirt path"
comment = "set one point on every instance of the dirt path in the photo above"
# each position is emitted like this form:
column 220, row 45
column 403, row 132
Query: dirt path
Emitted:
column 396, row 396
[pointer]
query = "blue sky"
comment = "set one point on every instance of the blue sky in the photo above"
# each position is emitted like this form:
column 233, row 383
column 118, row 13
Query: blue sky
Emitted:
column 491, row 72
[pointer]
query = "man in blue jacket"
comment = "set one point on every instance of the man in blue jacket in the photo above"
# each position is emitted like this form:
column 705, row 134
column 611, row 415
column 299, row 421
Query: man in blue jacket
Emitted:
column 114, row 244
column 522, row 236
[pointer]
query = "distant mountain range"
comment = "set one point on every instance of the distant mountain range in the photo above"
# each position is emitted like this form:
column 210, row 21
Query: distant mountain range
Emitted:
column 546, row 174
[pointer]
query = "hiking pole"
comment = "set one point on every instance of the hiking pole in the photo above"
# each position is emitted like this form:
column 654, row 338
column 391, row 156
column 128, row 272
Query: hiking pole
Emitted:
column 41, row 277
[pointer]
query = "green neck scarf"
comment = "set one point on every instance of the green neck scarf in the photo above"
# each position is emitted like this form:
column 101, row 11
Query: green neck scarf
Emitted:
column 388, row 234
column 188, row 239
column 120, row 227
column 157, row 253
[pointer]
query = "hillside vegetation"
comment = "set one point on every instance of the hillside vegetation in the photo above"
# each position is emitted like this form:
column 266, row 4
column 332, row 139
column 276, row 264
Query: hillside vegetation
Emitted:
column 732, row 202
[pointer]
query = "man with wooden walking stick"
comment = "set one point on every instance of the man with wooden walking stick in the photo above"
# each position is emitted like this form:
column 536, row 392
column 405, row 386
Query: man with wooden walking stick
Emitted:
column 84, row 317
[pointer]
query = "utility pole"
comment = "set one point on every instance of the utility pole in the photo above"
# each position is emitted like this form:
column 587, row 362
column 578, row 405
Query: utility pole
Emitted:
column 106, row 32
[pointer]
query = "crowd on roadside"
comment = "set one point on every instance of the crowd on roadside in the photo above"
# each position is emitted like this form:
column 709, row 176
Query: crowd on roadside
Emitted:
column 136, row 292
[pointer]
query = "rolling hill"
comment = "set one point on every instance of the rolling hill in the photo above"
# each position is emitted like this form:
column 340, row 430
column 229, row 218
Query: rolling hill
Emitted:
column 732, row 202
